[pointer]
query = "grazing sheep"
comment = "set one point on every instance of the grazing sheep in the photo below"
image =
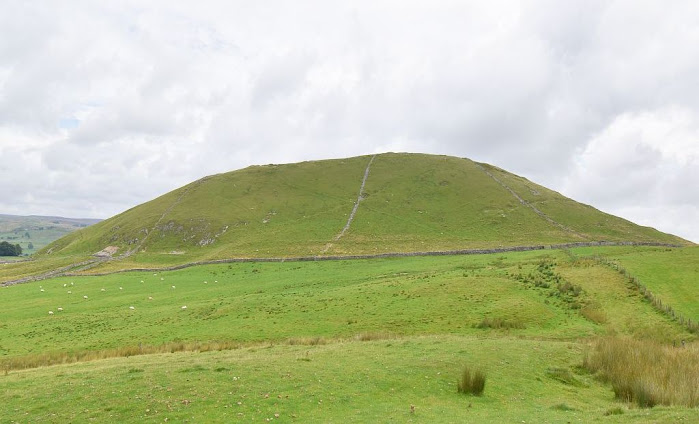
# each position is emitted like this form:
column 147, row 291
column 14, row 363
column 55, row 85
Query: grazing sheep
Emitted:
column 141, row 280
column 215, row 281
column 162, row 279
column 150, row 297
column 173, row 287
column 184, row 307
column 65, row 285
column 71, row 283
column 60, row 309
column 42, row 289
column 50, row 312
column 70, row 292
column 121, row 288
column 103, row 290
column 131, row 307
column 84, row 297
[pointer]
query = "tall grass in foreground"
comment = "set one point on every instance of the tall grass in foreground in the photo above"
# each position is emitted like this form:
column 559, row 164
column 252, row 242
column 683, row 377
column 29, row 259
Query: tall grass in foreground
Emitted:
column 646, row 372
column 471, row 381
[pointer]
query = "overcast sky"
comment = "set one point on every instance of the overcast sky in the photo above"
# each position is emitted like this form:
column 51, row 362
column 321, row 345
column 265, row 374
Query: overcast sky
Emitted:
column 105, row 105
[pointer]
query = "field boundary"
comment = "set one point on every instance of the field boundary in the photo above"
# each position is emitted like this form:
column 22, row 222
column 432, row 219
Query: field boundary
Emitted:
column 59, row 273
column 531, row 206
column 655, row 301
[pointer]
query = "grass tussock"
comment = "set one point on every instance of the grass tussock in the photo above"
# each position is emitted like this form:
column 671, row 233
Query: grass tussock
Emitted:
column 374, row 335
column 307, row 341
column 472, row 381
column 499, row 323
column 646, row 372
column 594, row 313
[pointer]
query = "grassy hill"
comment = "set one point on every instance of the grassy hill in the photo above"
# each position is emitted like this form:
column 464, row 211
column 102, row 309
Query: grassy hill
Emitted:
column 409, row 203
column 34, row 232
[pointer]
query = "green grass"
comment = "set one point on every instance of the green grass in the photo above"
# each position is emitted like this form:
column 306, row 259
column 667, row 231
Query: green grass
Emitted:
column 253, row 302
column 368, row 338
column 350, row 382
column 671, row 274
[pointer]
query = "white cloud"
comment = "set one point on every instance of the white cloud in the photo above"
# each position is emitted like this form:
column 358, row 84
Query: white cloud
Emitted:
column 644, row 166
column 140, row 98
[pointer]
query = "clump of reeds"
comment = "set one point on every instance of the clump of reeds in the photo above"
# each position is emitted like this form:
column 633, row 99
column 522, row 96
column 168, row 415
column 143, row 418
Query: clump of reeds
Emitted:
column 499, row 323
column 472, row 381
column 646, row 372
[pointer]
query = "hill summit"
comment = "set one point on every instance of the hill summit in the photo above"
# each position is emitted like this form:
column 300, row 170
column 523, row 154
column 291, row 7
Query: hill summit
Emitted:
column 392, row 202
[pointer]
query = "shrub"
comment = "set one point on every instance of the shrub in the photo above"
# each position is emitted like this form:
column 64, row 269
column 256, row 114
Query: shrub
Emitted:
column 471, row 381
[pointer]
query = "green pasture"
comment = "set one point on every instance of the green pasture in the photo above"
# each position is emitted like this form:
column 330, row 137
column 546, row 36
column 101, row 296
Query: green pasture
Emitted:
column 354, row 381
column 671, row 274
column 330, row 341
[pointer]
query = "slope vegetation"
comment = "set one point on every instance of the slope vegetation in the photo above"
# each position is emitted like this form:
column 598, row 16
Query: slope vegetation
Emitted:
column 406, row 203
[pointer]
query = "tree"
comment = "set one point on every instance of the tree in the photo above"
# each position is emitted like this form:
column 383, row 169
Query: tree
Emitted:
column 7, row 249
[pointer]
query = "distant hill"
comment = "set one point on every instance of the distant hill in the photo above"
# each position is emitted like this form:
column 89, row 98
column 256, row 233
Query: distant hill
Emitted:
column 34, row 232
column 408, row 203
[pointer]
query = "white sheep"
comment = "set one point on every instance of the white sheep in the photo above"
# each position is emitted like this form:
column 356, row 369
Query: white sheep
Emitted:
column 65, row 285
column 42, row 290
column 103, row 290
column 173, row 287
column 184, row 307
column 85, row 297
column 121, row 288
column 141, row 280
column 60, row 309
column 50, row 312
column 70, row 292
column 150, row 297
column 131, row 307
column 162, row 279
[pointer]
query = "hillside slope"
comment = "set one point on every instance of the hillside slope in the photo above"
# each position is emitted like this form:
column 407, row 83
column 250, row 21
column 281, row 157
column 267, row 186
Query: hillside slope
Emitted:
column 409, row 202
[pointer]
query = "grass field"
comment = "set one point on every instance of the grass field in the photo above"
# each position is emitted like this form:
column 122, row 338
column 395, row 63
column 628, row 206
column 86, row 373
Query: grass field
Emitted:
column 373, row 381
column 671, row 274
column 344, row 340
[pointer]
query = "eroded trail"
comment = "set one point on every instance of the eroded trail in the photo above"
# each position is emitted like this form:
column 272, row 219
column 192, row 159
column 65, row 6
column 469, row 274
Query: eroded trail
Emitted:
column 532, row 207
column 360, row 197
